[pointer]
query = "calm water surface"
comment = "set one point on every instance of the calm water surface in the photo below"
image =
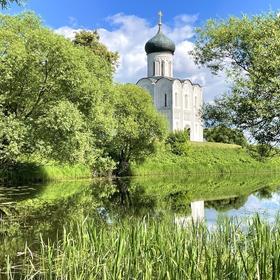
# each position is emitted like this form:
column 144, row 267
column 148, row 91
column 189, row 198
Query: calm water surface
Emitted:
column 207, row 198
column 28, row 211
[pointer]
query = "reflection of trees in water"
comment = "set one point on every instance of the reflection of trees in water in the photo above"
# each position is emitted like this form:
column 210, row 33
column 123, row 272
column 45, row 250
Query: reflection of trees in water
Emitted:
column 25, row 222
column 129, row 198
column 227, row 204
column 178, row 202
column 19, row 193
column 124, row 199
column 264, row 193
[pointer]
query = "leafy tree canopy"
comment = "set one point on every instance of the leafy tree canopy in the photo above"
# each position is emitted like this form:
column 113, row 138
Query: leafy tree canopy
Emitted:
column 248, row 50
column 6, row 3
column 45, row 76
column 138, row 126
column 91, row 39
column 223, row 134
column 58, row 102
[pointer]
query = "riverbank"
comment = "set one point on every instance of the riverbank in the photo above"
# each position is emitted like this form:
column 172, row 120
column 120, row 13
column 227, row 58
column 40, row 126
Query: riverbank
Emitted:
column 203, row 158
column 68, row 228
column 34, row 173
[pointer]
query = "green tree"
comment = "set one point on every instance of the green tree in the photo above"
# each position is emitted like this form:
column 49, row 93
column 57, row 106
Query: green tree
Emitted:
column 6, row 3
column 58, row 101
column 42, row 73
column 223, row 134
column 137, row 129
column 65, row 133
column 12, row 134
column 247, row 49
column 91, row 39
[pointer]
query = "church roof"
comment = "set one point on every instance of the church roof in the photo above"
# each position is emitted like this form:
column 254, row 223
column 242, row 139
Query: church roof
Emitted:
column 155, row 79
column 159, row 43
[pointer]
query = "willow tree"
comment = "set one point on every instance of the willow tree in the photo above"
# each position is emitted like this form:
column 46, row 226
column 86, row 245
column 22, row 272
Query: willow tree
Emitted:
column 50, row 89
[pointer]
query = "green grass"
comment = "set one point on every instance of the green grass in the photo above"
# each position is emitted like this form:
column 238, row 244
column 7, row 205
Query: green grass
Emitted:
column 150, row 249
column 42, row 173
column 206, row 158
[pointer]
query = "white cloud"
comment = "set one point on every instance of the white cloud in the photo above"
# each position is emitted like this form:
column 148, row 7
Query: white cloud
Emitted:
column 67, row 32
column 128, row 36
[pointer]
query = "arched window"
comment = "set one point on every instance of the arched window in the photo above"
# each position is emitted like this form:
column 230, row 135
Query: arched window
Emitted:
column 165, row 100
column 195, row 101
column 162, row 68
column 154, row 68
column 176, row 99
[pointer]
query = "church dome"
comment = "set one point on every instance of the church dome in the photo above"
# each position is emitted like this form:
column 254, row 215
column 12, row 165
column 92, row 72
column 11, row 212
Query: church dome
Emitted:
column 160, row 43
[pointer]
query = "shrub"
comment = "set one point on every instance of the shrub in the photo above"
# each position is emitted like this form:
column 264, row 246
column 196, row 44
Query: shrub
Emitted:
column 103, row 166
column 223, row 134
column 178, row 142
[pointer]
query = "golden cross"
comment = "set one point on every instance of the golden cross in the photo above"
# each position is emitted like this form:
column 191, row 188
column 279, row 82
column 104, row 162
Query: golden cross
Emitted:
column 160, row 14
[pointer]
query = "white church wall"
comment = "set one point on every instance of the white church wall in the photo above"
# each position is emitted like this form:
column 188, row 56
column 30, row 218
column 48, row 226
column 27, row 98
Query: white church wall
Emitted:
column 187, row 94
column 170, row 98
column 198, row 102
column 158, row 90
column 163, row 99
column 187, row 90
column 163, row 87
column 160, row 64
column 177, row 105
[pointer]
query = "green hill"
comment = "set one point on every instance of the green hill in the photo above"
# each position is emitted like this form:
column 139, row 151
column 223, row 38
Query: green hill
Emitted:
column 206, row 158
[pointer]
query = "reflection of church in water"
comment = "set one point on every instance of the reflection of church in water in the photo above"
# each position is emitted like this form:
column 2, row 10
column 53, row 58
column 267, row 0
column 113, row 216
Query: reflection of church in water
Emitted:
column 179, row 100
column 197, row 214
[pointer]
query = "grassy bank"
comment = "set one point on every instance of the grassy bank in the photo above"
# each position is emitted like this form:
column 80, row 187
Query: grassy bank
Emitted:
column 205, row 158
column 151, row 249
column 201, row 158
column 33, row 173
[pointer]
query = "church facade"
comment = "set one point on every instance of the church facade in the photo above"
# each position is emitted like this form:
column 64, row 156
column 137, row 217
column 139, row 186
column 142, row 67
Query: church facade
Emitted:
column 179, row 100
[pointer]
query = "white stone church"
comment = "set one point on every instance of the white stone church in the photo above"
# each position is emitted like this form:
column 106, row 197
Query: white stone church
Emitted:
column 179, row 100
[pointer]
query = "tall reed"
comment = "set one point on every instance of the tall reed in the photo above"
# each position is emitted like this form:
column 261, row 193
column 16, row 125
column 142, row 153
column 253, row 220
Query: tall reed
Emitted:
column 155, row 249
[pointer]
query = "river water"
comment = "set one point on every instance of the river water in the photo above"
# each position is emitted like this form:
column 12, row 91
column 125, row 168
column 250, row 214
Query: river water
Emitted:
column 26, row 212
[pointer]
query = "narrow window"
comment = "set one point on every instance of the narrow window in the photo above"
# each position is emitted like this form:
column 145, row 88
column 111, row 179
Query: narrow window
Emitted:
column 186, row 102
column 162, row 68
column 195, row 101
column 165, row 100
column 169, row 68
column 154, row 68
column 176, row 99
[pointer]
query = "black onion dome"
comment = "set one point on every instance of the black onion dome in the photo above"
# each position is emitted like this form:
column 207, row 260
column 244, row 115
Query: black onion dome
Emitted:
column 159, row 43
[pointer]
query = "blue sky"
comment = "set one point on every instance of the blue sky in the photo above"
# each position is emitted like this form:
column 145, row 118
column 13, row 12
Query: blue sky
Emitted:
column 93, row 13
column 125, row 26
